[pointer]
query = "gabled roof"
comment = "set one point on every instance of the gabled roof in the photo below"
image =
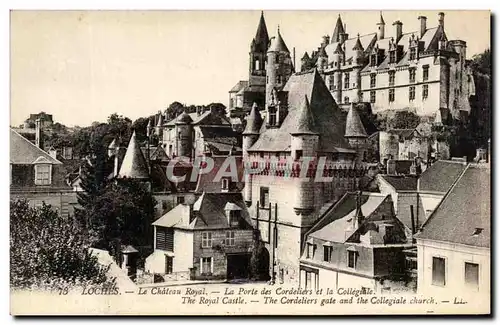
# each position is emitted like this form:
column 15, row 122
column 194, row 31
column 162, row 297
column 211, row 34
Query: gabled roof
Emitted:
column 239, row 86
column 134, row 165
column 339, row 30
column 440, row 176
column 329, row 122
column 24, row 152
column 366, row 42
column 159, row 154
column 464, row 215
column 305, row 56
column 354, row 127
column 210, row 207
column 278, row 44
column 358, row 45
column 401, row 183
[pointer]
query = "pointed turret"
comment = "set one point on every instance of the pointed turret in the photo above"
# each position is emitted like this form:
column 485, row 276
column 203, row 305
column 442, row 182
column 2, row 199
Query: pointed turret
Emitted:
column 381, row 27
column 354, row 127
column 160, row 120
column 184, row 118
column 134, row 165
column 261, row 39
column 338, row 49
column 305, row 123
column 254, row 121
column 305, row 57
column 278, row 44
column 359, row 218
column 381, row 22
column 338, row 31
column 358, row 46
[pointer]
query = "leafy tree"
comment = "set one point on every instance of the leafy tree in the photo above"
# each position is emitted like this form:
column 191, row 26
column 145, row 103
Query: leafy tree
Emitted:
column 482, row 62
column 173, row 110
column 49, row 251
column 404, row 120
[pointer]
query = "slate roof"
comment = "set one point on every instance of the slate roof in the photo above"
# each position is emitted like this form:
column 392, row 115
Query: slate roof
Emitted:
column 339, row 30
column 219, row 132
column 401, row 183
column 329, row 122
column 206, row 182
column 464, row 209
column 239, row 85
column 159, row 154
column 333, row 224
column 261, row 39
column 366, row 41
column 254, row 121
column 354, row 126
column 305, row 123
column 24, row 152
column 278, row 44
column 440, row 176
column 134, row 164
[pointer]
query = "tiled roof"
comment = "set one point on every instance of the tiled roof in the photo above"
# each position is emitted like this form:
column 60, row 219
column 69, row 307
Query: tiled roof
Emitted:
column 24, row 152
column 219, row 132
column 401, row 183
column 440, row 176
column 134, row 165
column 365, row 40
column 178, row 217
column 464, row 215
column 354, row 126
column 239, row 85
column 329, row 122
column 207, row 182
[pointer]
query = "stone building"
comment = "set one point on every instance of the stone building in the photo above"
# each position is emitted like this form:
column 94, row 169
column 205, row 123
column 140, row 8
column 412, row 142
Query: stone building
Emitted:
column 421, row 71
column 305, row 128
column 357, row 243
column 454, row 244
column 211, row 239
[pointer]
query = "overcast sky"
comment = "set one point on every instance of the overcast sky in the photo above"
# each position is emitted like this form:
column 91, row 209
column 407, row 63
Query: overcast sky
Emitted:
column 83, row 66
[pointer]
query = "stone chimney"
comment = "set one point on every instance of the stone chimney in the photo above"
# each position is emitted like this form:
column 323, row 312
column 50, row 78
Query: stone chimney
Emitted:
column 38, row 134
column 441, row 19
column 423, row 25
column 399, row 29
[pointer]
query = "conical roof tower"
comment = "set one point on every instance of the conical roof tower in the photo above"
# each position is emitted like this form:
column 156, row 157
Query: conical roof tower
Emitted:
column 254, row 121
column 134, row 164
column 354, row 127
column 305, row 123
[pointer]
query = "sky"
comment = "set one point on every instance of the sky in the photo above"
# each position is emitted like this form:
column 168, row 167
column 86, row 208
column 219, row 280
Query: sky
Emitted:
column 82, row 66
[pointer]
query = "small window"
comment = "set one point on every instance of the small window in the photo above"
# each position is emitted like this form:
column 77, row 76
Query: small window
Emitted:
column 411, row 94
column 206, row 265
column 226, row 183
column 180, row 200
column 392, row 56
column 234, row 218
column 413, row 53
column 206, row 239
column 229, row 241
column 438, row 271
column 412, row 73
column 298, row 154
column 372, row 96
column 373, row 60
column 43, row 174
column 391, row 95
column 272, row 115
column 425, row 72
column 346, row 81
column 310, row 250
column 425, row 91
column 472, row 275
column 351, row 259
column 327, row 253
column 392, row 77
column 346, row 100
column 264, row 197
column 373, row 80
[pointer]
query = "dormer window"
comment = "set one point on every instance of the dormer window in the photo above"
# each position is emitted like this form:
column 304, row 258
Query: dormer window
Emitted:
column 234, row 218
column 392, row 56
column 413, row 53
column 272, row 116
column 43, row 174
column 373, row 60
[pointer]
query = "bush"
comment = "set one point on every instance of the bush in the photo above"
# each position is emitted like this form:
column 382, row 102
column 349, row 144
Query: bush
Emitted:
column 48, row 251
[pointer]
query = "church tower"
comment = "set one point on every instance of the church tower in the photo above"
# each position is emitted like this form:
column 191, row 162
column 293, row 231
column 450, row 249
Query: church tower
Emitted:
column 258, row 51
column 279, row 69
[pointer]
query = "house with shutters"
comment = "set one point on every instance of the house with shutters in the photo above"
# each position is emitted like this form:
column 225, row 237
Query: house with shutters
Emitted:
column 454, row 256
column 38, row 177
column 358, row 242
column 210, row 239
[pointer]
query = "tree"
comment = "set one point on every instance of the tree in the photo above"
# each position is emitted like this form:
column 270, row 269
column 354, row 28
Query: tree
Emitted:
column 49, row 251
column 123, row 211
column 174, row 110
column 217, row 108
column 482, row 62
column 404, row 120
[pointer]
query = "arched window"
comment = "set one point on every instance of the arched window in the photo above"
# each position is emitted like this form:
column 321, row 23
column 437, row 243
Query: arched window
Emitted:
column 257, row 64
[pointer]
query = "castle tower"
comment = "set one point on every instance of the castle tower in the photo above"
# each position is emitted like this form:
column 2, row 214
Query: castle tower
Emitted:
column 337, row 74
column 257, row 55
column 183, row 132
column 134, row 164
column 381, row 28
column 304, row 143
column 322, row 60
column 250, row 136
column 338, row 31
column 355, row 133
column 357, row 62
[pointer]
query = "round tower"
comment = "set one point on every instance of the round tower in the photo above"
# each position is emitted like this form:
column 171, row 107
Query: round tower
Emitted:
column 381, row 28
column 183, row 129
column 337, row 74
column 304, row 143
column 279, row 65
column 250, row 136
column 159, row 127
column 355, row 133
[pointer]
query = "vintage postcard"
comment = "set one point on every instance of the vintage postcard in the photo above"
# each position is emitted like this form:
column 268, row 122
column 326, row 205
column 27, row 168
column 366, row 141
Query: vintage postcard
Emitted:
column 250, row 162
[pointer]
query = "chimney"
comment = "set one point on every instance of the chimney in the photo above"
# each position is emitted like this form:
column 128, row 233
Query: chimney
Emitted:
column 38, row 134
column 441, row 19
column 399, row 29
column 423, row 25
